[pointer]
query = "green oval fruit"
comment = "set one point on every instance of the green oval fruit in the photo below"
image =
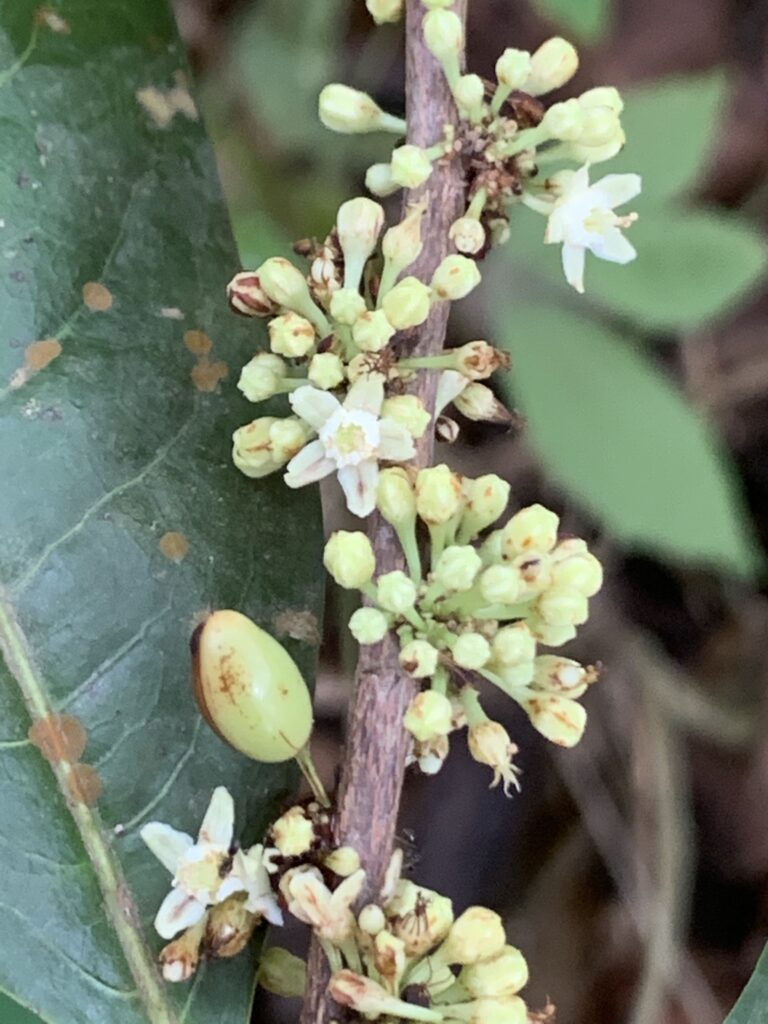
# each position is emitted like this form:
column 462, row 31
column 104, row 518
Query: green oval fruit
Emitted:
column 249, row 689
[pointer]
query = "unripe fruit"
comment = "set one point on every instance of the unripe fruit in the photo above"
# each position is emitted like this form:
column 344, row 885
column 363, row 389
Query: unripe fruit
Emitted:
column 249, row 689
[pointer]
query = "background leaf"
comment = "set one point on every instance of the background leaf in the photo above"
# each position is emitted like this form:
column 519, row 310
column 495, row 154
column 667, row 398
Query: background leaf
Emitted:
column 752, row 1005
column 585, row 18
column 121, row 517
column 12, row 1013
column 619, row 437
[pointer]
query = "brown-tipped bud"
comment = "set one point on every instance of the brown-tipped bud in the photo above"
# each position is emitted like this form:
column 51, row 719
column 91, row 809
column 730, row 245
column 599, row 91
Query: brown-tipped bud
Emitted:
column 478, row 402
column 478, row 360
column 248, row 298
column 229, row 928
column 367, row 997
column 179, row 959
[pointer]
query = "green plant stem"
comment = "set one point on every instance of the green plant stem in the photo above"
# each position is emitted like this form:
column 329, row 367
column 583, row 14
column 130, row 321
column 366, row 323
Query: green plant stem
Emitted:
column 304, row 761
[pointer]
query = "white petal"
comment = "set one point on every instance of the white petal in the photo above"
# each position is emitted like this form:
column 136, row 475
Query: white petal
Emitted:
column 450, row 384
column 359, row 484
column 367, row 394
column 556, row 225
column 228, row 887
column 573, row 266
column 395, row 443
column 267, row 906
column 177, row 912
column 346, row 893
column 168, row 845
column 613, row 246
column 219, row 822
column 308, row 466
column 313, row 405
column 616, row 189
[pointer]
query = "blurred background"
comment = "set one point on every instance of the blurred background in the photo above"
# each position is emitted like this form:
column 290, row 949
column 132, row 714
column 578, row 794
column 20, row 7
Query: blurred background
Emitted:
column 633, row 870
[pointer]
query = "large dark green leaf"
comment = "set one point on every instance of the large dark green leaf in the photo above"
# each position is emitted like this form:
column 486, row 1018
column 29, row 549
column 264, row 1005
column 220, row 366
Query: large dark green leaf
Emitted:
column 752, row 1005
column 121, row 517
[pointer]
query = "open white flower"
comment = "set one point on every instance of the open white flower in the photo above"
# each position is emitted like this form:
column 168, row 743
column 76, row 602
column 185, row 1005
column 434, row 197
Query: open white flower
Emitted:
column 583, row 218
column 250, row 867
column 329, row 913
column 198, row 879
column 351, row 439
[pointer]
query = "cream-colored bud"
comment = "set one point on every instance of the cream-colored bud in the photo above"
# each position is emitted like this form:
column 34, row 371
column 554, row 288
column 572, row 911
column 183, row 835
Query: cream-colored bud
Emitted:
column 347, row 304
column 371, row 919
column 471, row 651
column 550, row 636
column 293, row 833
column 514, row 644
column 443, row 34
column 563, row 606
column 419, row 916
column 350, row 111
column 475, row 935
column 429, row 714
column 368, row 625
column 419, row 659
column 439, row 494
column 349, row 558
column 407, row 304
column 478, row 360
column 469, row 93
column 252, row 448
column 533, row 528
column 358, row 226
column 368, row 998
column 283, row 283
column 581, row 571
column 501, row 584
column 601, row 126
column 489, row 744
column 561, row 675
column 467, row 234
column 564, row 121
column 291, row 335
column 262, row 376
column 515, row 676
column 602, row 96
column 535, row 569
column 434, row 5
column 486, row 498
column 501, row 975
column 457, row 567
column 559, row 719
column 287, row 437
column 372, row 331
column 491, row 548
column 513, row 68
column 411, row 166
column 402, row 243
column 343, row 861
column 385, row 10
column 389, row 957
column 455, row 277
column 326, row 370
column 180, row 959
column 395, row 497
column 552, row 65
column 282, row 973
column 396, row 592
column 247, row 297
column 478, row 402
column 379, row 180
column 509, row 1010
column 595, row 154
column 409, row 411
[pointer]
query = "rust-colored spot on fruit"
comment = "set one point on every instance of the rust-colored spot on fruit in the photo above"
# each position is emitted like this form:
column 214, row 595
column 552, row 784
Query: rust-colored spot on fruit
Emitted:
column 84, row 783
column 58, row 737
column 207, row 375
column 198, row 342
column 174, row 546
column 97, row 297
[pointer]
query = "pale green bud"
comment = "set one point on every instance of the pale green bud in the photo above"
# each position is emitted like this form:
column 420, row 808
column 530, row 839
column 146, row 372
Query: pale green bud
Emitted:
column 343, row 861
column 371, row 919
column 535, row 569
column 559, row 719
column 561, row 675
column 601, row 126
column 467, row 234
column 282, row 973
column 396, row 592
column 469, row 93
column 439, row 494
column 474, row 936
column 602, row 96
column 443, row 34
column 419, row 916
column 326, row 370
column 247, row 297
column 284, row 283
column 419, row 659
column 513, row 68
column 533, row 528
column 411, row 166
column 358, row 226
column 385, row 10
column 486, row 498
column 287, row 437
column 501, row 584
column 564, row 121
column 514, row 644
column 510, row 1010
column 349, row 558
column 389, row 957
column 434, row 5
column 595, row 154
column 471, row 650
column 408, row 411
column 478, row 402
column 407, row 304
column 552, row 65
column 489, row 744
column 501, row 975
column 293, row 832
column 347, row 304
column 372, row 331
column 395, row 498
column 491, row 548
column 516, row 676
column 379, row 180
column 261, row 377
column 562, row 606
column 429, row 714
column 455, row 277
column 477, row 359
column 402, row 243
column 349, row 111
column 549, row 635
column 457, row 567
column 368, row 625
column 581, row 571
column 252, row 448
column 291, row 335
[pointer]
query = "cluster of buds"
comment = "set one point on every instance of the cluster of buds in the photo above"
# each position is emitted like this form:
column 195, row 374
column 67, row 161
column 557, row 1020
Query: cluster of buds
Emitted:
column 479, row 612
column 512, row 146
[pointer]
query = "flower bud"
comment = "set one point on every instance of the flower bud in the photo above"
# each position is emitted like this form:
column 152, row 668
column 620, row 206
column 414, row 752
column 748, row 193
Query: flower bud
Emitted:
column 552, row 65
column 511, row 1010
column 229, row 928
column 549, row 635
column 389, row 957
column 247, row 297
column 395, row 498
column 407, row 304
column 457, row 567
column 261, row 377
column 347, row 304
column 433, row 5
column 474, row 936
column 283, row 283
column 402, row 243
column 282, row 973
column 410, row 166
column 486, row 498
column 513, row 68
column 595, row 154
column 601, row 125
column 478, row 402
column 467, row 234
column 439, row 495
column 372, row 331
column 455, row 277
column 561, row 675
column 491, row 550
column 368, row 625
column 419, row 659
column 501, row 584
column 501, row 975
column 515, row 676
column 291, row 335
column 349, row 111
column 430, row 755
column 471, row 651
column 478, row 360
column 293, row 833
column 533, row 528
column 326, row 370
column 385, row 10
column 252, row 448
column 379, row 180
column 371, row 919
column 581, row 571
column 358, row 225
column 564, row 121
column 408, row 411
column 349, row 558
column 443, row 34
column 562, row 606
column 489, row 744
column 343, row 861
column 559, row 719
column 419, row 916
column 469, row 93
column 513, row 644
column 180, row 959
column 602, row 96
column 396, row 592
column 368, row 998
column 287, row 437
column 249, row 689
column 429, row 714
column 535, row 571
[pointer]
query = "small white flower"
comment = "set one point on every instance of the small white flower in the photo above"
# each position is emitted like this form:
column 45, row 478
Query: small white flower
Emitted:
column 351, row 439
column 583, row 218
column 250, row 866
column 329, row 913
column 196, row 866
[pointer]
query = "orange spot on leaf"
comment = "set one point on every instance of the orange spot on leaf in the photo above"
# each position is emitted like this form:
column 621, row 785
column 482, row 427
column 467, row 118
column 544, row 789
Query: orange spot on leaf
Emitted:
column 58, row 737
column 174, row 546
column 198, row 342
column 97, row 297
column 85, row 784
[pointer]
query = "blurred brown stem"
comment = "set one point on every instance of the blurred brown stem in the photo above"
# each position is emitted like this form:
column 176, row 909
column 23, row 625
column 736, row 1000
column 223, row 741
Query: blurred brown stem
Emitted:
column 376, row 746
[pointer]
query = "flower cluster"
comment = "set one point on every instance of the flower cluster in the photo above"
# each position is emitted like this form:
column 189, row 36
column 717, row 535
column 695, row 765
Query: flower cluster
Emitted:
column 505, row 139
column 480, row 611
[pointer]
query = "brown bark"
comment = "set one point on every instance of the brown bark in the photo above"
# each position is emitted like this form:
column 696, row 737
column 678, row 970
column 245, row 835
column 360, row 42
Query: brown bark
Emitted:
column 377, row 745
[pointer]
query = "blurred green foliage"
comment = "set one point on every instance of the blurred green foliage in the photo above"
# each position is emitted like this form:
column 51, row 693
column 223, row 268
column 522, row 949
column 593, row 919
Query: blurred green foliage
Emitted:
column 12, row 1012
